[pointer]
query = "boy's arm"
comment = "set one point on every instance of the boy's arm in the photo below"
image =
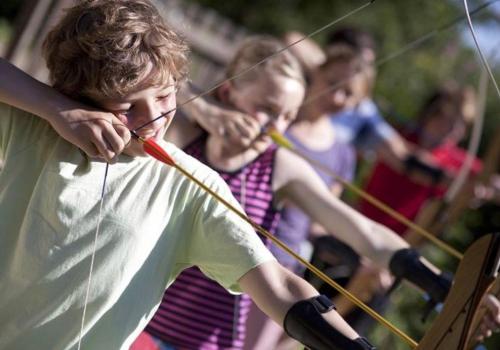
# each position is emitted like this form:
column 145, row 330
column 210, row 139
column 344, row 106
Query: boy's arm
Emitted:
column 97, row 133
column 289, row 300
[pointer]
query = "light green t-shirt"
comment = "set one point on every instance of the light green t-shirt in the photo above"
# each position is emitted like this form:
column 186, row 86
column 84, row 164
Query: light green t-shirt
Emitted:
column 155, row 222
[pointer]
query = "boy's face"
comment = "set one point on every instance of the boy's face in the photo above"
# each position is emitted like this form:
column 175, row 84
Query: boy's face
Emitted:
column 338, row 87
column 140, row 107
column 271, row 100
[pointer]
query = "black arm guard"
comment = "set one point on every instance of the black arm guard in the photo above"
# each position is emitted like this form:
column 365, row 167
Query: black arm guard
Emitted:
column 413, row 163
column 304, row 323
column 405, row 263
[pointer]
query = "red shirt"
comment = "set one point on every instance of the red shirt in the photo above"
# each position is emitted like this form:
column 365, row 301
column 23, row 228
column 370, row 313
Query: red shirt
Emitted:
column 405, row 196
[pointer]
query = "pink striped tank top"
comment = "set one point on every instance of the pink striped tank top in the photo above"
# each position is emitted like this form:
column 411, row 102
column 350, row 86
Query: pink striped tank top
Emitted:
column 196, row 312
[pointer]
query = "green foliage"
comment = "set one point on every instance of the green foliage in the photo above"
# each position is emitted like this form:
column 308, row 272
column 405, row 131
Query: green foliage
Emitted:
column 5, row 31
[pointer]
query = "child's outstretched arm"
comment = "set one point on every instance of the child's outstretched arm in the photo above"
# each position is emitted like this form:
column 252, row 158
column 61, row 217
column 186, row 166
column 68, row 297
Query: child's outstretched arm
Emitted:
column 298, row 182
column 97, row 133
column 293, row 303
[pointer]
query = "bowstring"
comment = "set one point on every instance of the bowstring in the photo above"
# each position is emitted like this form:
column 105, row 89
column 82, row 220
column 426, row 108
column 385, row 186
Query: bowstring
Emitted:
column 484, row 61
column 401, row 51
column 92, row 258
column 478, row 125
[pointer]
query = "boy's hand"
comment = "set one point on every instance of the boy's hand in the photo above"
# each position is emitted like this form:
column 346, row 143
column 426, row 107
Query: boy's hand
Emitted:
column 98, row 134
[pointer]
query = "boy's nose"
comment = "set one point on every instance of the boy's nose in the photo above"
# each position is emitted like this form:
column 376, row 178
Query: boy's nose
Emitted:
column 149, row 113
column 146, row 119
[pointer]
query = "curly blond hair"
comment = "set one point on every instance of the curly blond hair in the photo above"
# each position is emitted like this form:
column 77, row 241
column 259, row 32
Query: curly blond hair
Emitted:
column 108, row 48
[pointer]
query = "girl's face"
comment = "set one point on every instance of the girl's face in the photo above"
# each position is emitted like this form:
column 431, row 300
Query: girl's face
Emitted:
column 140, row 107
column 271, row 100
column 338, row 86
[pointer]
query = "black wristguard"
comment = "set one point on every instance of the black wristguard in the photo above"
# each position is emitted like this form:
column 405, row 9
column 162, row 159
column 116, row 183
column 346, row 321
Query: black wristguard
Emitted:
column 413, row 163
column 304, row 323
column 405, row 263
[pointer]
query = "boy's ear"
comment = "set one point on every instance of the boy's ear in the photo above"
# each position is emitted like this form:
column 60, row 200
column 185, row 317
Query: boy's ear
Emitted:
column 223, row 92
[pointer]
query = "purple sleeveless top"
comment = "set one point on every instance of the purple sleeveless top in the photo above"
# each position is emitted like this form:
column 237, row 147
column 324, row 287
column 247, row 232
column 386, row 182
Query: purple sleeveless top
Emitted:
column 294, row 225
column 196, row 312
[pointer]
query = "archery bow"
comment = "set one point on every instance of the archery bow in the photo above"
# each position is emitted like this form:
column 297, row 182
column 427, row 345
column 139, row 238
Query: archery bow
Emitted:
column 453, row 327
column 483, row 279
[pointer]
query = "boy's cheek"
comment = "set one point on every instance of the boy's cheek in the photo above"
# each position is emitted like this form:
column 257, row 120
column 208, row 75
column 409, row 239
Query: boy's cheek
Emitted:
column 171, row 104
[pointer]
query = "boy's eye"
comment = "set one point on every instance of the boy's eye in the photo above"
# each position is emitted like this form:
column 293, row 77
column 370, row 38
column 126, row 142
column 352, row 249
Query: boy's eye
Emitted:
column 164, row 97
column 124, row 111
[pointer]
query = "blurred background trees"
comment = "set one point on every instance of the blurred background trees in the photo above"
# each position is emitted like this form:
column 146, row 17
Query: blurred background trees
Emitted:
column 402, row 82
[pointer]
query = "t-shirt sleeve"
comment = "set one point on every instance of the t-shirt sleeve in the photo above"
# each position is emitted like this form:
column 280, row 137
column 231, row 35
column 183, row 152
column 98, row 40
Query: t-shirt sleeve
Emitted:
column 20, row 130
column 5, row 127
column 224, row 246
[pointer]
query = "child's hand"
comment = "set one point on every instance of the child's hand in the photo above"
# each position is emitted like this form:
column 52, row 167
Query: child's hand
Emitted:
column 236, row 128
column 491, row 320
column 98, row 134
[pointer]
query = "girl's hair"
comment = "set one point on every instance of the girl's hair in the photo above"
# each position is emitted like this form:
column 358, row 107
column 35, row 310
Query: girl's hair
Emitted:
column 108, row 48
column 354, row 37
column 341, row 53
column 453, row 98
column 256, row 49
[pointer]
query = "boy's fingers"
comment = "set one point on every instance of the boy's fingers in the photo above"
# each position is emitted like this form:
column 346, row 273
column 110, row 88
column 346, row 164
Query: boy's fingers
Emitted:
column 103, row 147
column 90, row 150
column 113, row 140
column 123, row 132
